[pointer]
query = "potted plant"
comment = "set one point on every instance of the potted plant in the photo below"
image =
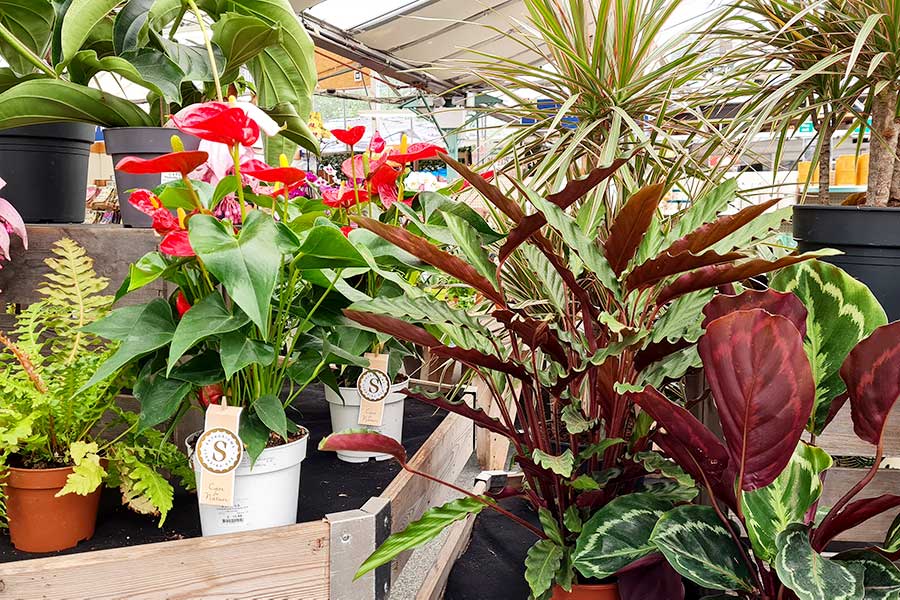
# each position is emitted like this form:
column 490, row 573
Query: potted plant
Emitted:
column 54, row 55
column 52, row 454
column 568, row 326
column 246, row 260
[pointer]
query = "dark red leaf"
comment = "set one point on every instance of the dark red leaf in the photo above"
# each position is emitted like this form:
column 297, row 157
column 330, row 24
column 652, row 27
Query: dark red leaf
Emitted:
column 433, row 255
column 763, row 387
column 349, row 136
column 721, row 483
column 650, row 577
column 535, row 333
column 666, row 265
column 655, row 351
column 174, row 162
column 705, row 236
column 630, row 225
column 478, row 416
column 363, row 441
column 785, row 304
column 872, row 374
column 715, row 275
column 853, row 514
column 491, row 192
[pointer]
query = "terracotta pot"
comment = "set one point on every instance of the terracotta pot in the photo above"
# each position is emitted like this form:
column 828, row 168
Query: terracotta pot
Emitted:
column 603, row 591
column 40, row 522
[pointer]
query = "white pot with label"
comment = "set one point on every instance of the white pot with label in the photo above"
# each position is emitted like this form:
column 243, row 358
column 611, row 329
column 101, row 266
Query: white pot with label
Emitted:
column 345, row 414
column 265, row 495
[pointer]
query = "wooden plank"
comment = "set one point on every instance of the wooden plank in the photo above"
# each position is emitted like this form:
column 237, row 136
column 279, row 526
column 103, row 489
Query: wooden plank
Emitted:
column 287, row 562
column 112, row 247
column 443, row 455
column 840, row 479
column 491, row 449
column 838, row 439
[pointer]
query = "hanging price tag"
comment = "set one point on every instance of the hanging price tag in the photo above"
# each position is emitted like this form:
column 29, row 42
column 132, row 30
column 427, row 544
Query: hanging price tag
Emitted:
column 373, row 386
column 219, row 452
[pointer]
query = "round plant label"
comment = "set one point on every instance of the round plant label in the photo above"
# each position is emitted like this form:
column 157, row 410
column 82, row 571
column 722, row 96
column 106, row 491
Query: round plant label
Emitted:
column 219, row 450
column 373, row 385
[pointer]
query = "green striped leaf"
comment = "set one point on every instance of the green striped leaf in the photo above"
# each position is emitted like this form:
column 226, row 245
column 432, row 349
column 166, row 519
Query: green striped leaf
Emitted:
column 807, row 573
column 892, row 537
column 841, row 312
column 654, row 462
column 697, row 545
column 876, row 574
column 469, row 243
column 618, row 534
column 541, row 564
column 433, row 522
column 769, row 510
column 561, row 465
column 575, row 420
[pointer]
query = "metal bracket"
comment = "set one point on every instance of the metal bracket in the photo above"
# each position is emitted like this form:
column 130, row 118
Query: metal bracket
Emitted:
column 496, row 481
column 354, row 536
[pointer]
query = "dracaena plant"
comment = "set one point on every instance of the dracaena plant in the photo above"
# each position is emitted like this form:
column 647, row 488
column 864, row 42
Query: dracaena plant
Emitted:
column 606, row 310
column 778, row 364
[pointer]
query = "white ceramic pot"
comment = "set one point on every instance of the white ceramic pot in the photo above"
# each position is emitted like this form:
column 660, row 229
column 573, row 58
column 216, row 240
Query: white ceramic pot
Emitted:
column 345, row 415
column 265, row 495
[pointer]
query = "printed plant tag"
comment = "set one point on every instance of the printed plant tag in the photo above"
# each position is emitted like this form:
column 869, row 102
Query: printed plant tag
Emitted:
column 165, row 178
column 373, row 387
column 219, row 451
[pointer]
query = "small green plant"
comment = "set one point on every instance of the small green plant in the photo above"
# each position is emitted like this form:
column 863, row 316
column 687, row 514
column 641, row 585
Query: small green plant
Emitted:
column 46, row 422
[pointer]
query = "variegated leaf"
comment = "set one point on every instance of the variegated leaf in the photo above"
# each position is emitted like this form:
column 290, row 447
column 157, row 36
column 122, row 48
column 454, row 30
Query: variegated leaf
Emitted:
column 618, row 534
column 654, row 462
column 769, row 510
column 575, row 420
column 697, row 545
column 878, row 576
column 561, row 465
column 541, row 564
column 841, row 311
column 892, row 537
column 807, row 573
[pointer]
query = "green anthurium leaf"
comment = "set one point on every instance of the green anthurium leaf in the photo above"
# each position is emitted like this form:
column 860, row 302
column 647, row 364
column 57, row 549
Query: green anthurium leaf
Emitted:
column 470, row 244
column 550, row 526
column 192, row 60
column 697, row 545
column 541, row 565
column 146, row 270
column 575, row 420
column 177, row 194
column 295, row 132
column 160, row 399
column 159, row 75
column 841, row 311
column 618, row 534
column 429, row 526
column 140, row 329
column 437, row 205
column 207, row 318
column 242, row 37
column 807, row 573
column 202, row 369
column 769, row 510
column 239, row 351
column 129, row 26
column 254, row 434
column 40, row 101
column 87, row 473
column 247, row 265
column 880, row 578
column 561, row 465
column 81, row 17
column 270, row 411
column 572, row 520
column 326, row 247
column 227, row 185
column 31, row 23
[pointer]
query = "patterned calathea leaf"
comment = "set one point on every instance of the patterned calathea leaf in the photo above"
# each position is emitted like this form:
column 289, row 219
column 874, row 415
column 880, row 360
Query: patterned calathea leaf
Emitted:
column 769, row 510
column 541, row 565
column 763, row 389
column 878, row 577
column 697, row 545
column 807, row 573
column 618, row 534
column 841, row 312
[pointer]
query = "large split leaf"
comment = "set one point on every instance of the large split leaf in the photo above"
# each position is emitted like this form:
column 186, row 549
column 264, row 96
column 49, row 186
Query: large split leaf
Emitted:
column 763, row 388
column 807, row 573
column 841, row 312
column 246, row 264
column 697, row 545
column 769, row 510
column 618, row 534
column 207, row 318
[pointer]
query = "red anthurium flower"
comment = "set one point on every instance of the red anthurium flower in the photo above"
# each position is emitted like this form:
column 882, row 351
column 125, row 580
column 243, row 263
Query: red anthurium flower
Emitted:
column 176, row 243
column 376, row 144
column 349, row 136
column 345, row 198
column 384, row 182
column 164, row 221
column 487, row 176
column 145, row 201
column 346, row 229
column 181, row 162
column 218, row 122
column 181, row 304
column 211, row 394
column 355, row 167
column 417, row 152
column 289, row 176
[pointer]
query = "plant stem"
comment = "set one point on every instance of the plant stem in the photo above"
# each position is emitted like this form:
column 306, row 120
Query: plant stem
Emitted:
column 7, row 36
column 209, row 49
column 236, row 157
column 193, row 193
column 177, row 23
column 882, row 146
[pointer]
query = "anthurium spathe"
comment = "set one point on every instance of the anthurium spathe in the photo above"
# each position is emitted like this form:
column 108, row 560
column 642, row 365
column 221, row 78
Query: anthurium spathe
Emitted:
column 420, row 151
column 350, row 136
column 174, row 162
column 218, row 122
column 287, row 176
column 344, row 197
column 10, row 222
column 175, row 240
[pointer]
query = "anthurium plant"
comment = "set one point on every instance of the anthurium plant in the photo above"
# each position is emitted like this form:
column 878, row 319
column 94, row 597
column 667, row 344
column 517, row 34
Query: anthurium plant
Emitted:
column 53, row 49
column 52, row 416
column 573, row 319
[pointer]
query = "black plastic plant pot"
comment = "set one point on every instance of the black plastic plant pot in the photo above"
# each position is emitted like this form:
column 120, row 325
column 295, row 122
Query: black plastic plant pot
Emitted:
column 46, row 168
column 869, row 238
column 143, row 142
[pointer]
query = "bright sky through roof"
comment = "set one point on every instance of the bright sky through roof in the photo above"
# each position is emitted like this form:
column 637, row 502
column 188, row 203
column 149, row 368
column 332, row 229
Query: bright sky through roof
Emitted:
column 348, row 14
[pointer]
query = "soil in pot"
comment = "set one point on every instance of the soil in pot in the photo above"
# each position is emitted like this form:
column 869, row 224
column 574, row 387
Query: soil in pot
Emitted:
column 602, row 591
column 345, row 415
column 41, row 522
column 265, row 494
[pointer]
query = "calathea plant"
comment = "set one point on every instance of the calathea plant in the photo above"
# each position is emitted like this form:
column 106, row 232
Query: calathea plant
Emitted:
column 572, row 320
column 57, row 412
